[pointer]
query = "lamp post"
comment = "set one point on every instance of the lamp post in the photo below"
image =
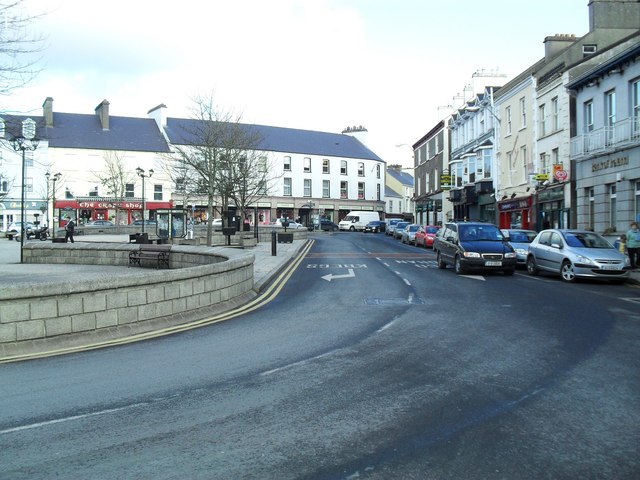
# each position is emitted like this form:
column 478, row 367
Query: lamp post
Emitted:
column 23, row 143
column 141, row 173
column 54, row 179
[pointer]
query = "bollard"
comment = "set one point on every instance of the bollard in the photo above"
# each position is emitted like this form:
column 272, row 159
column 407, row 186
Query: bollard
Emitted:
column 273, row 243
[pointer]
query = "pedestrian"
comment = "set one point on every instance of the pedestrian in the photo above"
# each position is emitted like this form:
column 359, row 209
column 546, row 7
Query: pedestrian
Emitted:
column 633, row 245
column 621, row 244
column 68, row 230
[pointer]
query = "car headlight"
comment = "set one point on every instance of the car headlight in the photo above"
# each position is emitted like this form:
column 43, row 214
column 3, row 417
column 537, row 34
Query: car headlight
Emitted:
column 511, row 254
column 584, row 260
column 522, row 251
column 627, row 262
column 471, row 254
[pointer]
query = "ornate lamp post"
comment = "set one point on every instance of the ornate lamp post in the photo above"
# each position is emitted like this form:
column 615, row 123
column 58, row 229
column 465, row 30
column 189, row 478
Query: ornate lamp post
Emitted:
column 54, row 178
column 141, row 173
column 21, row 144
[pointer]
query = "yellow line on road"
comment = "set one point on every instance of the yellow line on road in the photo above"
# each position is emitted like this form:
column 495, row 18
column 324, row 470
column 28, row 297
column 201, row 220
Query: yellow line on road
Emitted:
column 267, row 296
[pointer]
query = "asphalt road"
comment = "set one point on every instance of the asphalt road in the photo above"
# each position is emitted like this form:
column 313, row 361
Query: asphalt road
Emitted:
column 370, row 363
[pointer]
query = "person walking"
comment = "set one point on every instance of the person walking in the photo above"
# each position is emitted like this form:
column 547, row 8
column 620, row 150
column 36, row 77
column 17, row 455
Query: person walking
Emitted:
column 68, row 230
column 633, row 245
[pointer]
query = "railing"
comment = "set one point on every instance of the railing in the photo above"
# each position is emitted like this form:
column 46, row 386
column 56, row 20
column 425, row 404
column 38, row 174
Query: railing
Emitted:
column 625, row 132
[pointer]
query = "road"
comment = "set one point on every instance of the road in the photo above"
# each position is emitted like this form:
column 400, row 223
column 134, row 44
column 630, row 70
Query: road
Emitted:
column 371, row 363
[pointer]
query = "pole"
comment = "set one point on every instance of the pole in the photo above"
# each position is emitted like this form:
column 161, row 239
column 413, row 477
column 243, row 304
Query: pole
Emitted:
column 22, row 215
column 142, row 176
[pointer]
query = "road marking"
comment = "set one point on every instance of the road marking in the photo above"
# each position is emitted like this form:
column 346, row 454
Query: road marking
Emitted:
column 331, row 276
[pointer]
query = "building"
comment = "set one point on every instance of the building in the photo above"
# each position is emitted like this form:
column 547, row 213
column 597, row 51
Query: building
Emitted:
column 401, row 184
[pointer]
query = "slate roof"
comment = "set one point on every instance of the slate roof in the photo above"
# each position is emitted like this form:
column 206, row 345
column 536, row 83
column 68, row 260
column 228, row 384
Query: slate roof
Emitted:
column 390, row 192
column 74, row 130
column 403, row 177
column 179, row 131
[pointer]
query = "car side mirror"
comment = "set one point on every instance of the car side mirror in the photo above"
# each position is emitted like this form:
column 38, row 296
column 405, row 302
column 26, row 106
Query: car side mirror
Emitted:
column 450, row 239
column 556, row 245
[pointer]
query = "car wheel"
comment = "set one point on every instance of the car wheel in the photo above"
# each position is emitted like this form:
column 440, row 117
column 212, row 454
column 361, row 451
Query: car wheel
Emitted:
column 509, row 272
column 458, row 265
column 567, row 272
column 532, row 269
column 335, row 229
column 439, row 261
column 352, row 229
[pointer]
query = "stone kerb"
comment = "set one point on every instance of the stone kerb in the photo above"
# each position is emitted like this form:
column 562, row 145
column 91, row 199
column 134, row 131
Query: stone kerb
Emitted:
column 199, row 278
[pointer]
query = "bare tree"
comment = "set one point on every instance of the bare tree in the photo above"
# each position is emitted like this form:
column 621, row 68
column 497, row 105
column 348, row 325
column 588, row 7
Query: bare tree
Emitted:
column 18, row 46
column 219, row 151
column 114, row 178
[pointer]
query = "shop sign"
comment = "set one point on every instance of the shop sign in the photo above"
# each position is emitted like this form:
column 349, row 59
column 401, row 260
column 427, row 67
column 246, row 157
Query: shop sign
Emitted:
column 541, row 177
column 124, row 205
column 611, row 163
column 560, row 174
column 520, row 204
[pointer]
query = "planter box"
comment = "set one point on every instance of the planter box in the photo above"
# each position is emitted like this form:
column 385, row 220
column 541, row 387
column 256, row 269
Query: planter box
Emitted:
column 285, row 237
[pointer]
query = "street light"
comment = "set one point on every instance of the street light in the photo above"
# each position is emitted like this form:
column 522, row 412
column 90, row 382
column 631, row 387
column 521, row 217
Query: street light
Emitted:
column 142, row 175
column 54, row 179
column 23, row 143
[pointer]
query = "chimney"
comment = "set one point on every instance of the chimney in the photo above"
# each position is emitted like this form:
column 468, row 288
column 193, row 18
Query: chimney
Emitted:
column 102, row 111
column 556, row 43
column 158, row 113
column 47, row 112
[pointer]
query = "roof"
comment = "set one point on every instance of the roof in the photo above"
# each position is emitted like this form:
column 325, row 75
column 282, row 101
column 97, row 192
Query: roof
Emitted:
column 74, row 130
column 390, row 192
column 180, row 131
column 403, row 177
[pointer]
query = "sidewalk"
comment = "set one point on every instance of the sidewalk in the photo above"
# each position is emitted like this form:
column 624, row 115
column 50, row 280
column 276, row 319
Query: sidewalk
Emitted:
column 265, row 268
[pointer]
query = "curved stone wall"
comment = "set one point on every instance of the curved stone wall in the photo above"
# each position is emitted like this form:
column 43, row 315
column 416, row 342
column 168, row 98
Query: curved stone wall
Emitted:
column 199, row 277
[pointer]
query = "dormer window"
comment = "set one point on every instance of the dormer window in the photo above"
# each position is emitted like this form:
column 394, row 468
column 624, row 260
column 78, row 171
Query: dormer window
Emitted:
column 589, row 49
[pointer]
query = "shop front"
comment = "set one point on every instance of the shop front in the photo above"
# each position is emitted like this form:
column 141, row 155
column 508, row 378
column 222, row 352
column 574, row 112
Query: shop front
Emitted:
column 516, row 213
column 83, row 210
column 551, row 209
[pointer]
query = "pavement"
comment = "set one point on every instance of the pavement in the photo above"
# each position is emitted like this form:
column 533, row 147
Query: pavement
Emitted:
column 266, row 266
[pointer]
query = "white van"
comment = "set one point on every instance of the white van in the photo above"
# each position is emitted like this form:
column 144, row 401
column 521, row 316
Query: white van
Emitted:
column 357, row 219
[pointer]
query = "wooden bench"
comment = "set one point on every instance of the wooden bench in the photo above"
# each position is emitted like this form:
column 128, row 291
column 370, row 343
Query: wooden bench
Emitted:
column 148, row 251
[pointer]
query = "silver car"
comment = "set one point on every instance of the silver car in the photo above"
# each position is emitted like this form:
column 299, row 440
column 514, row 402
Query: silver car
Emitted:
column 576, row 254
column 408, row 234
column 520, row 240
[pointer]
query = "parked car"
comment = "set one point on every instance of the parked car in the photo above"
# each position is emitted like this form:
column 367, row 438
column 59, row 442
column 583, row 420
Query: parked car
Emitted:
column 408, row 233
column 391, row 225
column 99, row 223
column 16, row 227
column 474, row 246
column 146, row 222
column 375, row 226
column 397, row 231
column 520, row 240
column 327, row 225
column 291, row 224
column 217, row 224
column 425, row 236
column 576, row 254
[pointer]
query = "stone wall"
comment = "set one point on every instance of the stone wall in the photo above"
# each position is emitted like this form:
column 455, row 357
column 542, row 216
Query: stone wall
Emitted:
column 198, row 278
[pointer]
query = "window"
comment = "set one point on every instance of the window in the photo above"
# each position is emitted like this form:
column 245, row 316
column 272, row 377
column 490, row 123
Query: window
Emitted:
column 4, row 186
column 325, row 165
column 157, row 191
column 93, row 192
column 361, row 191
column 28, row 184
column 361, row 169
column 588, row 117
column 344, row 190
column 128, row 190
column 589, row 49
column 307, row 165
column 307, row 187
column 390, row 206
column 287, row 164
column 543, row 120
column 610, row 108
column 326, row 188
column 508, row 118
column 378, row 191
column 555, row 114
column 378, row 170
column 612, row 205
column 343, row 167
column 28, row 158
column 471, row 165
column 592, row 207
column 287, row 187
column 525, row 163
column 523, row 113
column 485, row 163
column 262, row 165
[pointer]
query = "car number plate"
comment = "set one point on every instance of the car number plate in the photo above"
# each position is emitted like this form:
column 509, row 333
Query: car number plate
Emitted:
column 609, row 267
column 490, row 263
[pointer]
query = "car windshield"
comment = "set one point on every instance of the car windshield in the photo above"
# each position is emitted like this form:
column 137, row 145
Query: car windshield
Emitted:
column 413, row 228
column 471, row 233
column 586, row 240
column 431, row 230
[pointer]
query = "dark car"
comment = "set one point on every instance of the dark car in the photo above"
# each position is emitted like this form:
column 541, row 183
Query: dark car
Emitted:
column 327, row 225
column 146, row 222
column 474, row 246
column 375, row 226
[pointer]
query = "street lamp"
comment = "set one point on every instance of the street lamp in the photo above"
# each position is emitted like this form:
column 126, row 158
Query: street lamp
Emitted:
column 54, row 179
column 23, row 143
column 141, row 173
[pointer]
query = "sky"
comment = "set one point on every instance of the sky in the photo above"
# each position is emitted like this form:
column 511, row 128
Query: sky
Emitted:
column 388, row 65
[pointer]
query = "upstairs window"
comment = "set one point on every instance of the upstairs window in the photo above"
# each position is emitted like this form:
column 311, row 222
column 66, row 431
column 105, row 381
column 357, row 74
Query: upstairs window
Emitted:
column 343, row 167
column 361, row 169
column 287, row 164
column 157, row 191
column 307, row 165
column 129, row 190
column 286, row 187
column 325, row 165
